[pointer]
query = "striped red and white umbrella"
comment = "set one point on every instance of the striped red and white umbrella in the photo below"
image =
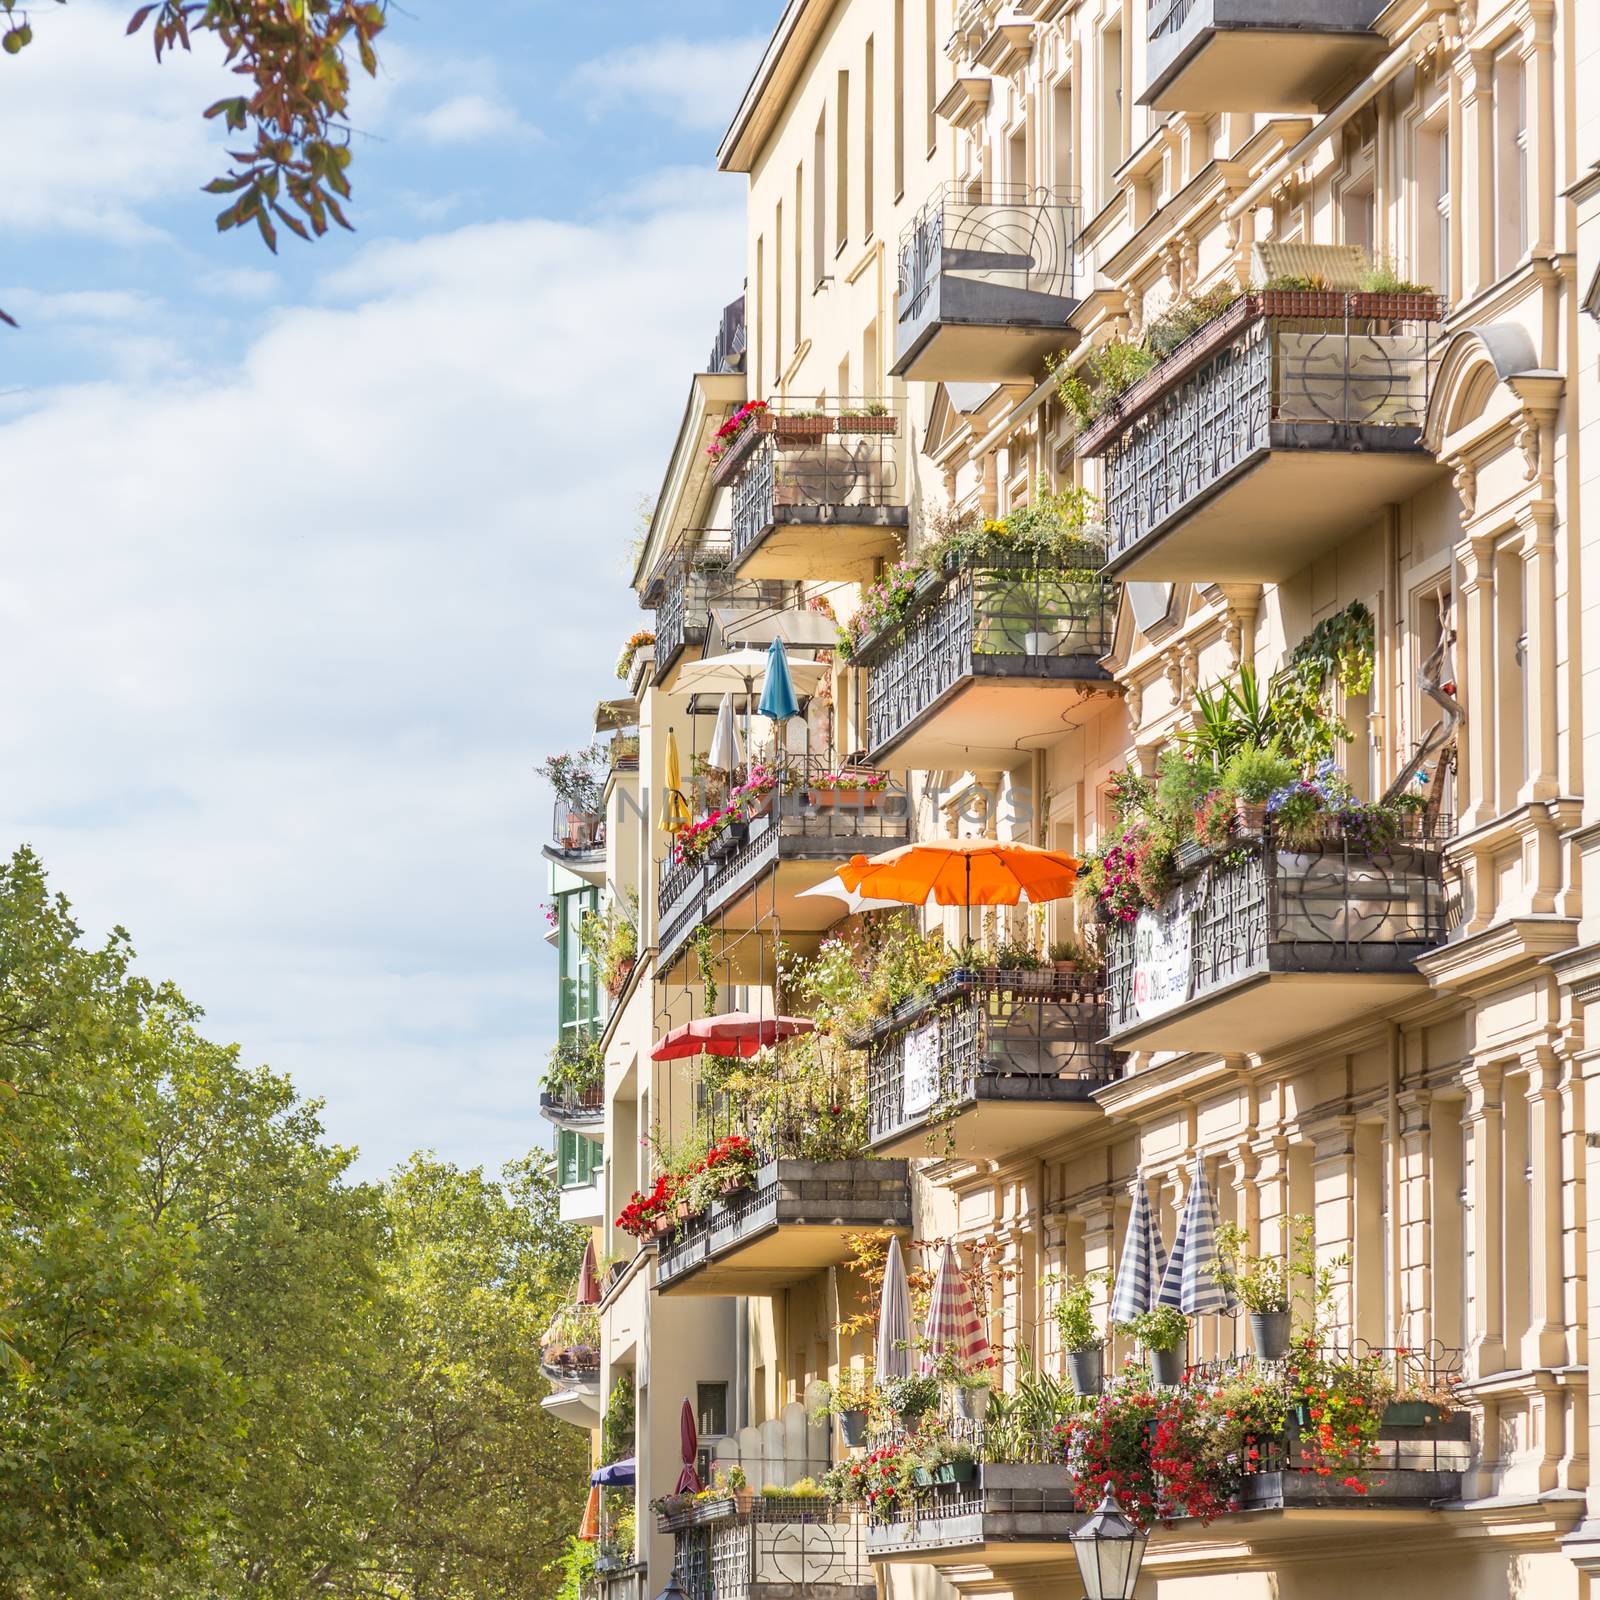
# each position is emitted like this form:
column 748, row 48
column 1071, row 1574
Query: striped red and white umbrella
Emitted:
column 953, row 1320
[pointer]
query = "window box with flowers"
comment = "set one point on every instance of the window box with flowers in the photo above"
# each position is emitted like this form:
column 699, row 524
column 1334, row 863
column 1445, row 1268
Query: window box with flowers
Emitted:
column 847, row 789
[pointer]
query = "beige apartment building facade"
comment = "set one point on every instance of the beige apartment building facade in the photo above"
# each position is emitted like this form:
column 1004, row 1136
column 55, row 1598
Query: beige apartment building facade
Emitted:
column 1306, row 296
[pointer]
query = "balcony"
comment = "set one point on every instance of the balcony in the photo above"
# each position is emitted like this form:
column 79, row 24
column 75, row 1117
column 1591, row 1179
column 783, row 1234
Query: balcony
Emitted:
column 987, row 282
column 1278, row 429
column 819, row 494
column 794, row 1221
column 1268, row 944
column 569, row 1358
column 776, row 1549
column 627, row 1580
column 1206, row 56
column 583, row 1111
column 691, row 577
column 1011, row 1513
column 761, row 869
column 989, row 1064
column 987, row 649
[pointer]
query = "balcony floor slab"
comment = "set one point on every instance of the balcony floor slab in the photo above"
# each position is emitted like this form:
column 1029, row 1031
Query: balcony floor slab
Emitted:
column 1277, row 511
column 978, row 721
column 823, row 542
column 982, row 352
column 1262, row 69
column 772, row 1261
column 993, row 1128
column 1272, row 1009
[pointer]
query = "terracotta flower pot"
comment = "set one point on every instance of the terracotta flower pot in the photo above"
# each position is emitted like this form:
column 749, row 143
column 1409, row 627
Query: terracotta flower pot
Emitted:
column 842, row 798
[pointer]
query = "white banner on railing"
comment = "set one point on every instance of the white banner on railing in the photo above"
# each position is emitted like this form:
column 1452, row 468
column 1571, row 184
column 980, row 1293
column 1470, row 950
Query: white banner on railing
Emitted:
column 921, row 1077
column 1160, row 976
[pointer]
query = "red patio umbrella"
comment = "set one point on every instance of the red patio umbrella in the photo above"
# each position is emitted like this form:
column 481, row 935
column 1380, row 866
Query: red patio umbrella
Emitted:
column 588, row 1281
column 734, row 1033
column 688, row 1479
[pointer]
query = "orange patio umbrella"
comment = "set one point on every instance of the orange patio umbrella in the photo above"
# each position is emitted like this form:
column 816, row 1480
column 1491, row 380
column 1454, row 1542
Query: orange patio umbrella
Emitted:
column 962, row 872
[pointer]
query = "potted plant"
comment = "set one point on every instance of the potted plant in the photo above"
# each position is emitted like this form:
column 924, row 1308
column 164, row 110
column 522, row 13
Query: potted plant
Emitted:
column 859, row 790
column 872, row 417
column 800, row 427
column 850, row 1397
column 970, row 1386
column 1081, row 1335
column 1250, row 778
column 1260, row 1284
column 1163, row 1334
column 912, row 1396
column 738, row 1485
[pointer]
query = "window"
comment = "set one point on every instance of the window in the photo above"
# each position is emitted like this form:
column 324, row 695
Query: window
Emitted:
column 841, row 166
column 799, row 254
column 1110, row 109
column 578, row 1159
column 932, row 63
column 711, row 1409
column 1358, row 213
column 578, row 988
column 1061, row 137
column 1017, row 165
column 1510, row 162
column 899, row 98
column 1433, row 204
column 819, row 199
column 777, row 288
column 758, row 343
column 867, row 123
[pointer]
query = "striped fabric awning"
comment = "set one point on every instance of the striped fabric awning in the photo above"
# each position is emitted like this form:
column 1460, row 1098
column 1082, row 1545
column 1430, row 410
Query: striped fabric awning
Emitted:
column 953, row 1321
column 1144, row 1261
column 1188, row 1282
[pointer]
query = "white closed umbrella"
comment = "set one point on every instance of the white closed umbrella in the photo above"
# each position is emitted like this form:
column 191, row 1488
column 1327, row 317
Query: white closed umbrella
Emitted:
column 833, row 889
column 894, row 1319
column 726, row 753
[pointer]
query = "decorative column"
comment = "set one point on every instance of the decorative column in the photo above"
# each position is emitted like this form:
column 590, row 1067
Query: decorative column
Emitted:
column 1481, row 1119
column 1475, row 654
column 1415, row 1323
column 1545, row 1343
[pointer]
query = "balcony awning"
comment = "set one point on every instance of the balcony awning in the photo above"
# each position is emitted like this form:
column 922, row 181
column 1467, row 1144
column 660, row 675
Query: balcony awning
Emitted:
column 807, row 630
column 610, row 714
column 733, row 1033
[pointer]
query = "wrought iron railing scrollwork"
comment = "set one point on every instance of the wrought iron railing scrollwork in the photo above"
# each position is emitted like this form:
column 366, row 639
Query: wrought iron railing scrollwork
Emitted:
column 996, row 615
column 1355, row 380
column 1013, row 249
column 1337, row 904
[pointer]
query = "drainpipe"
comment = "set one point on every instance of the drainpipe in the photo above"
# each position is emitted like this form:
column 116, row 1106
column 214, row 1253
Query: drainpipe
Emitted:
column 1389, row 68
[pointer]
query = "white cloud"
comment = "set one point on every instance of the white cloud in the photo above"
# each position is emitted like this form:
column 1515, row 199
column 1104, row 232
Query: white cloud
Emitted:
column 294, row 634
column 697, row 83
column 240, row 283
column 470, row 119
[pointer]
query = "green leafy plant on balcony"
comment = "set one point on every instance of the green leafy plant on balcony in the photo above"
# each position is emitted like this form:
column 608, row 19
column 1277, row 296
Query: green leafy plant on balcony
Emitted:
column 578, row 776
column 611, row 940
column 576, row 1067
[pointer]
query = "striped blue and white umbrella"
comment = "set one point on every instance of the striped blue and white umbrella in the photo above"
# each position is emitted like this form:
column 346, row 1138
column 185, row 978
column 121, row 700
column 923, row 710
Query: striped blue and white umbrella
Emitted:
column 1188, row 1282
column 1143, row 1262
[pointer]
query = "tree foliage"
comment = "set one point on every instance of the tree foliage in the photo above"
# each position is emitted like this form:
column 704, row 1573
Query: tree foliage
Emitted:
column 294, row 58
column 226, row 1369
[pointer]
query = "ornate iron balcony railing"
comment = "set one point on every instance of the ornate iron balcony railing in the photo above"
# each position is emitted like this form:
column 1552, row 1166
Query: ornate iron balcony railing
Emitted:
column 838, row 464
column 999, row 618
column 1337, row 906
column 998, row 256
column 577, row 833
column 690, row 578
column 778, row 1547
column 1025, row 1036
column 1292, row 370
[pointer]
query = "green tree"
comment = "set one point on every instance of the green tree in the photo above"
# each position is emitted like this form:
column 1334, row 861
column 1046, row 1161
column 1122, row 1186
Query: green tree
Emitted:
column 225, row 1369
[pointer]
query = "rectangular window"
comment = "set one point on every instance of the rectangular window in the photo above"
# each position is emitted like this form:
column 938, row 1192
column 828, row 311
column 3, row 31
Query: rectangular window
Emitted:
column 711, row 1408
column 931, row 57
column 1433, row 204
column 1110, row 110
column 578, row 987
column 757, row 341
column 799, row 251
column 1017, row 165
column 841, row 166
column 899, row 98
column 1061, row 136
column 578, row 1159
column 868, row 99
column 777, row 286
column 1510, row 162
column 819, row 200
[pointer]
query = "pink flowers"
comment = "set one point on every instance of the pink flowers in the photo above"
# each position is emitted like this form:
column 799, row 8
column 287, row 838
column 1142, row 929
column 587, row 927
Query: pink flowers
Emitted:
column 733, row 427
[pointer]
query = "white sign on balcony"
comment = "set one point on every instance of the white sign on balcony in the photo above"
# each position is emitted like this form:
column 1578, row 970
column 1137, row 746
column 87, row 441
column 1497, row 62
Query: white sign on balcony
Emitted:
column 1160, row 963
column 921, row 1079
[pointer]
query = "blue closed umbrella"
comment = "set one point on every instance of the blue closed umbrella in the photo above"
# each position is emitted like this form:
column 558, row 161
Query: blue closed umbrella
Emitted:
column 777, row 693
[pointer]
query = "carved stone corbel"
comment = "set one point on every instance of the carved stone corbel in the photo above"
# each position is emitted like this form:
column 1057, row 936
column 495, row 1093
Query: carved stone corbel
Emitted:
column 1464, row 479
column 1528, row 444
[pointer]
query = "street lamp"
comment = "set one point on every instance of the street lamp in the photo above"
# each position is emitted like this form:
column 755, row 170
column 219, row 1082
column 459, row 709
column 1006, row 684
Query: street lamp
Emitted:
column 674, row 1589
column 1109, row 1549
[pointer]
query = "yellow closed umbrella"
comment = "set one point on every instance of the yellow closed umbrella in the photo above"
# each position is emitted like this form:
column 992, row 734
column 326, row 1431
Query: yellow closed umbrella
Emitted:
column 675, row 812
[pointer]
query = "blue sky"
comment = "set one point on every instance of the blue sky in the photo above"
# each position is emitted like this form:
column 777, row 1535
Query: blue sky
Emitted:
column 310, row 559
